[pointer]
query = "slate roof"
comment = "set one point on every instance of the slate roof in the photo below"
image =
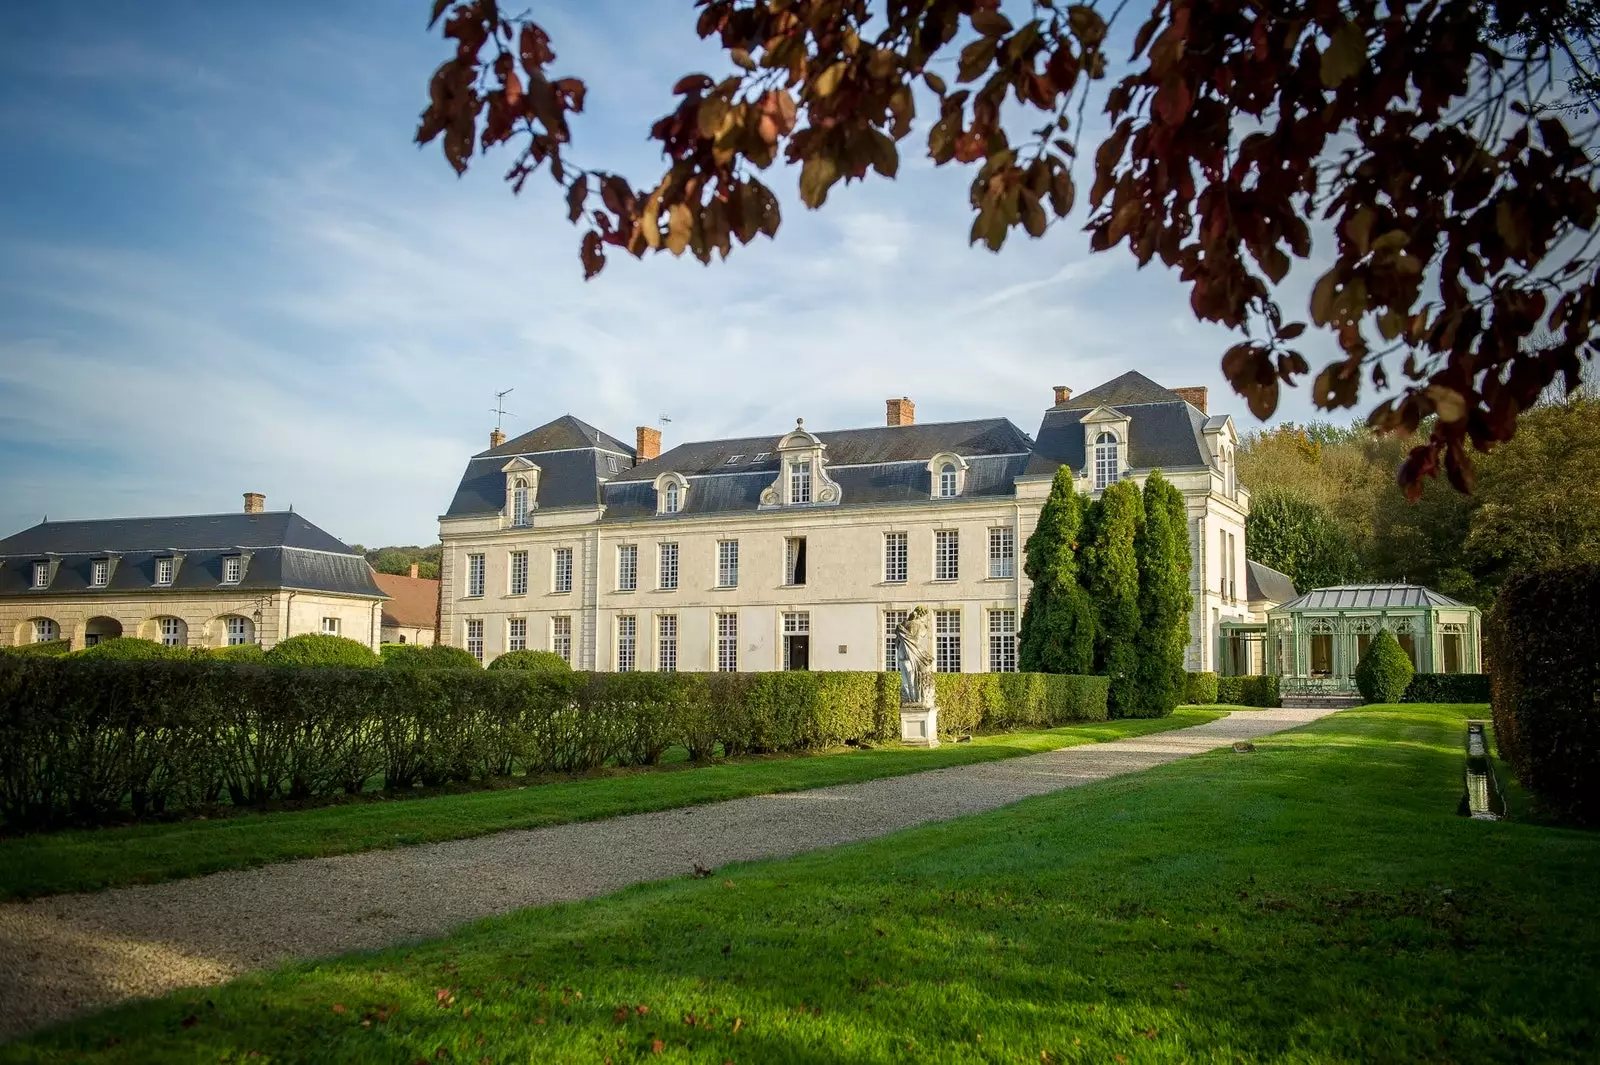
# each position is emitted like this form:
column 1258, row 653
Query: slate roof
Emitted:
column 565, row 433
column 413, row 601
column 1131, row 388
column 1370, row 597
column 284, row 551
column 573, row 457
column 1264, row 582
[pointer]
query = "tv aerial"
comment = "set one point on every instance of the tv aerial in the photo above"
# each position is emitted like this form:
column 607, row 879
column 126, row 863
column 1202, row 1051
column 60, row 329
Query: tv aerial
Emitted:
column 498, row 410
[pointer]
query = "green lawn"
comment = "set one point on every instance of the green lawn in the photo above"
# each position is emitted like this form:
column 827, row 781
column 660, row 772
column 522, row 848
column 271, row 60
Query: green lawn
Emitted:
column 51, row 863
column 1317, row 900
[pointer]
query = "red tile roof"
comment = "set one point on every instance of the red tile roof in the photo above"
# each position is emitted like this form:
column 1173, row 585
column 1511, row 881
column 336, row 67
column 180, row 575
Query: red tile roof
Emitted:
column 413, row 601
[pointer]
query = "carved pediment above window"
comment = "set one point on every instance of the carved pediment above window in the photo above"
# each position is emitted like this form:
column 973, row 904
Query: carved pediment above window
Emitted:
column 802, row 472
column 947, row 473
column 522, row 490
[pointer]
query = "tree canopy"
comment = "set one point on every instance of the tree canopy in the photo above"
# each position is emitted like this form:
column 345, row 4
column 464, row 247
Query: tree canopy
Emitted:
column 1058, row 623
column 1432, row 157
column 1299, row 537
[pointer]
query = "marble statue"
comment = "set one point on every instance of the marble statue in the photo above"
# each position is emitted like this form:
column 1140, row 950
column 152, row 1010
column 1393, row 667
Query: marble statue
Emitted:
column 916, row 661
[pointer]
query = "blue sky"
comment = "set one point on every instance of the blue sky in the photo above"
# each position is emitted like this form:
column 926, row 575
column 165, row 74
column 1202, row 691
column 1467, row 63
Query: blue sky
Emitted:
column 225, row 267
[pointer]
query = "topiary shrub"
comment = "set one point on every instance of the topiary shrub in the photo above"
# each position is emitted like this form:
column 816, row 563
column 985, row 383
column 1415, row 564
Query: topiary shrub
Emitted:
column 1384, row 671
column 1200, row 689
column 534, row 661
column 132, row 649
column 44, row 648
column 316, row 650
column 1259, row 691
column 420, row 656
column 239, row 652
column 1447, row 688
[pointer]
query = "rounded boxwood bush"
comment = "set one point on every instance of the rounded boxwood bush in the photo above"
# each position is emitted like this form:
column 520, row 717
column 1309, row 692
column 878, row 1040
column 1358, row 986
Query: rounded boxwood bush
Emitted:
column 419, row 656
column 536, row 661
column 240, row 652
column 315, row 649
column 131, row 649
column 1384, row 671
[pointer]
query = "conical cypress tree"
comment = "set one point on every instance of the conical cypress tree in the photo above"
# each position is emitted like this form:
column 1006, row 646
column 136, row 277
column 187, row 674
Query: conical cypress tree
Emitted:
column 1162, row 549
column 1057, row 634
column 1110, row 573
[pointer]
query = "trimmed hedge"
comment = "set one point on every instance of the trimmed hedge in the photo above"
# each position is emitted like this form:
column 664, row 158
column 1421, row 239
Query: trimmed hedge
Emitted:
column 1248, row 691
column 422, row 656
column 1200, row 689
column 318, row 650
column 1544, row 631
column 998, row 701
column 538, row 661
column 240, row 652
column 132, row 649
column 1447, row 688
column 43, row 648
column 1384, row 671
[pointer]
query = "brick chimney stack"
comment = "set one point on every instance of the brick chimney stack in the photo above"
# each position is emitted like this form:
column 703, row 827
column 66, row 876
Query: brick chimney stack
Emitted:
column 254, row 503
column 1063, row 393
column 902, row 411
column 1195, row 396
column 647, row 444
column 413, row 571
column 496, row 438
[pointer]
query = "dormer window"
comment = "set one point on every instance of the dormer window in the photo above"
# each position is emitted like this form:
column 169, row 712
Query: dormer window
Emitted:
column 670, row 491
column 519, row 501
column 800, row 482
column 522, row 491
column 947, row 475
column 41, row 574
column 232, row 569
column 947, row 481
column 1107, row 464
column 100, row 573
column 164, row 569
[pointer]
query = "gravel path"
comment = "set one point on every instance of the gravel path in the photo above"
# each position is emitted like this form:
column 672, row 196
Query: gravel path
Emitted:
column 70, row 954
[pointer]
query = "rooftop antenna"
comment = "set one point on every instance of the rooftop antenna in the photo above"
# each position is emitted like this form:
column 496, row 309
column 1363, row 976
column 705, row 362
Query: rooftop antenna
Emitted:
column 498, row 410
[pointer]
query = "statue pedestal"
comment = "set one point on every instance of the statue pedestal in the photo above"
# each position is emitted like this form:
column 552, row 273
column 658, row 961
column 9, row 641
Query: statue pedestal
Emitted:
column 919, row 725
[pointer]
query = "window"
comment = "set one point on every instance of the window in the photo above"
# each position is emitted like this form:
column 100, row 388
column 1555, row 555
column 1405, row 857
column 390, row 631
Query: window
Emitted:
column 1002, row 551
column 561, row 638
column 733, row 460
column 563, row 566
column 894, row 558
column 673, row 498
column 667, row 643
column 611, row 463
column 627, row 567
column 474, row 576
column 1233, row 569
column 627, row 643
column 45, row 630
column 946, row 555
column 173, row 632
column 100, row 573
column 797, row 640
column 519, row 573
column 232, row 569
column 163, row 571
column 519, row 503
column 1106, row 466
column 41, row 574
column 762, row 456
column 800, row 482
column 517, row 634
column 667, row 566
column 1453, row 643
column 947, row 641
column 892, row 620
column 475, row 638
column 330, row 626
column 727, row 643
column 1002, row 641
column 238, row 631
column 947, row 481
column 727, row 564
column 1322, row 654
column 1408, row 644
column 794, row 561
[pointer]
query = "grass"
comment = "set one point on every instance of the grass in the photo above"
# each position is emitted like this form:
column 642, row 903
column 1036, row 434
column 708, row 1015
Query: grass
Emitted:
column 1317, row 900
column 92, row 859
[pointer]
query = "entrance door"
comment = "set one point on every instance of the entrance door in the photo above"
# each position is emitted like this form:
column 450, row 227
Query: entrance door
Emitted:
column 797, row 652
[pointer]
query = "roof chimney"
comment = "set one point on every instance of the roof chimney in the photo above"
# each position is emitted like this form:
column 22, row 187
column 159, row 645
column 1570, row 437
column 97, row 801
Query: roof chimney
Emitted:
column 1063, row 393
column 496, row 438
column 413, row 571
column 902, row 411
column 647, row 443
column 254, row 502
column 1195, row 396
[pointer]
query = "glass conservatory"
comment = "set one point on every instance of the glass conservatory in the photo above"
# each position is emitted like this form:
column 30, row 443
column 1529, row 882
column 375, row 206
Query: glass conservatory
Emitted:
column 1315, row 641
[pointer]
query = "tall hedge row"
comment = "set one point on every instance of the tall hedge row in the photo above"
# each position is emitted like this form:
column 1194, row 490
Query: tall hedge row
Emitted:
column 1544, row 632
column 1248, row 691
column 968, row 701
column 1447, row 688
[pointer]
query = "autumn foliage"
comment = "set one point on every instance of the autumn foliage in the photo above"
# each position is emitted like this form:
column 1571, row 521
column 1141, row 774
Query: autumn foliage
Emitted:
column 1440, row 150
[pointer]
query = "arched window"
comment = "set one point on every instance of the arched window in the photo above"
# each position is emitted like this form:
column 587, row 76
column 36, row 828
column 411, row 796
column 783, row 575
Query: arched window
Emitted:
column 519, row 502
column 947, row 481
column 173, row 632
column 1106, row 466
column 45, row 630
column 673, row 499
column 239, row 631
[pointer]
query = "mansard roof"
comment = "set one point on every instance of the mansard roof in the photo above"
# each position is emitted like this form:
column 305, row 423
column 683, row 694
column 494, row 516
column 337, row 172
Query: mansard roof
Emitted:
column 1167, row 433
column 1131, row 388
column 1262, row 582
column 574, row 459
column 564, row 434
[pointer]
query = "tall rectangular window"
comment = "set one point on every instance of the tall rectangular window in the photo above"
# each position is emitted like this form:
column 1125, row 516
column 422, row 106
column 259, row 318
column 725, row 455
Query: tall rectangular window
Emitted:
column 892, row 620
column 238, row 631
column 800, row 482
column 627, row 643
column 41, row 574
column 895, row 558
column 475, row 638
column 946, row 555
column 794, row 560
column 667, row 643
column 1002, row 641
column 330, row 626
column 1452, row 645
column 627, row 567
column 474, row 576
column 728, row 643
column 100, row 572
column 164, row 569
column 797, row 640
column 727, row 564
column 519, row 573
column 172, row 632
column 1222, row 562
column 667, row 565
column 517, row 634
column 232, row 569
column 1002, row 551
column 519, row 505
column 947, row 641
column 561, row 638
column 562, row 579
